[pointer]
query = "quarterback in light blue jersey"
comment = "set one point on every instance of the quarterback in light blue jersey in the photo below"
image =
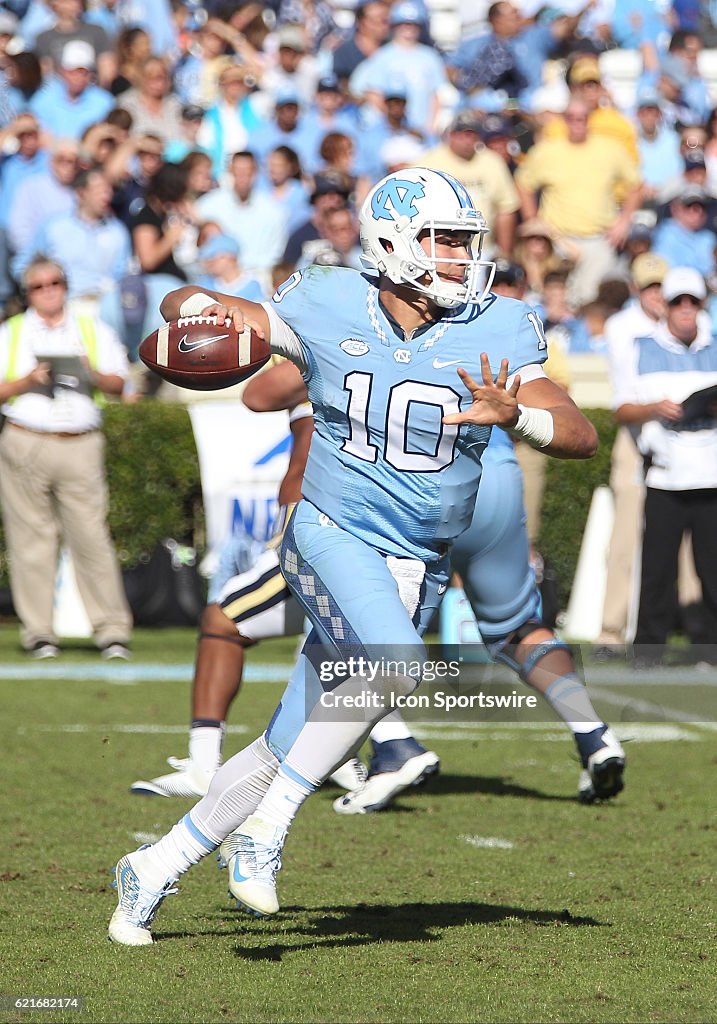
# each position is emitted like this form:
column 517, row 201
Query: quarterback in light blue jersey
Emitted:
column 408, row 367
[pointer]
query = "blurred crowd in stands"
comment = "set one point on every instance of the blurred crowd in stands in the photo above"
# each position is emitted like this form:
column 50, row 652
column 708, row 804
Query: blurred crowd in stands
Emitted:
column 145, row 143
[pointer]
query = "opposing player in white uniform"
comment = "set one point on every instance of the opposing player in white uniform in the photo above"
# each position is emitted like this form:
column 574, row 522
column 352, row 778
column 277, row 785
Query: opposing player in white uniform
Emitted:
column 391, row 481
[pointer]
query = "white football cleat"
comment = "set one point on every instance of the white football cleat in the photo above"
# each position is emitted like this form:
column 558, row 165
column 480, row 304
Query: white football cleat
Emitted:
column 603, row 762
column 187, row 780
column 137, row 905
column 350, row 775
column 252, row 855
column 396, row 765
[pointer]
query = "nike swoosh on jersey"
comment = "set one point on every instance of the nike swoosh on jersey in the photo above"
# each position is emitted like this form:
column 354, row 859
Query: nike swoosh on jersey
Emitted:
column 190, row 346
column 440, row 363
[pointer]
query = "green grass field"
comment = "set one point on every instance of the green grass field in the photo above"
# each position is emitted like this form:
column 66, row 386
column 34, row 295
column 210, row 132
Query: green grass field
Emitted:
column 491, row 895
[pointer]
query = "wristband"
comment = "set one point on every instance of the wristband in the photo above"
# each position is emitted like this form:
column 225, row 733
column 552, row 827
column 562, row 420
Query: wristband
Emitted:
column 194, row 305
column 535, row 426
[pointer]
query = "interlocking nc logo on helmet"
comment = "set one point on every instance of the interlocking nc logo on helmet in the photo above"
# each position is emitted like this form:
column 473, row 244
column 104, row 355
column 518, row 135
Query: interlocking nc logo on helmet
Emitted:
column 396, row 199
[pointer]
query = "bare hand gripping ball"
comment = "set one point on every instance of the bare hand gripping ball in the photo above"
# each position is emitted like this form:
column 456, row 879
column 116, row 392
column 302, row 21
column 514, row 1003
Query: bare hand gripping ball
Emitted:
column 198, row 353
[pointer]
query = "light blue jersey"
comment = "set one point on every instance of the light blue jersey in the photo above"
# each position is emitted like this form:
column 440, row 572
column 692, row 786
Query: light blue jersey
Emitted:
column 382, row 464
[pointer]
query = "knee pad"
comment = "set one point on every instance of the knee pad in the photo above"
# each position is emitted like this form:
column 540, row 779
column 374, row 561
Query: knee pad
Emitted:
column 505, row 650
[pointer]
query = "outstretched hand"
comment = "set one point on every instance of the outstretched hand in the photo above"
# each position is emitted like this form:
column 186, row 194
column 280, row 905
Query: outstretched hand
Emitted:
column 493, row 403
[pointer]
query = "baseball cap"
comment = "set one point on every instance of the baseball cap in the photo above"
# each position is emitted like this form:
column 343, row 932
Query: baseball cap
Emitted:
column 406, row 12
column 638, row 232
column 648, row 97
column 585, row 69
column 77, row 54
column 395, row 89
column 683, row 281
column 219, row 245
column 8, row 23
column 192, row 112
column 330, row 181
column 507, row 272
column 648, row 268
column 495, row 126
column 329, row 83
column 694, row 158
column 693, row 194
column 292, row 37
column 286, row 94
column 466, row 121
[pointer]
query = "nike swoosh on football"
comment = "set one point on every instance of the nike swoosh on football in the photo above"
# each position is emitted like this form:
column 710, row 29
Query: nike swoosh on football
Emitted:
column 190, row 346
column 439, row 363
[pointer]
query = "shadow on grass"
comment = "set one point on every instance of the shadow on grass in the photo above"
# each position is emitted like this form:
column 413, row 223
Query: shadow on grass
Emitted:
column 363, row 924
column 492, row 785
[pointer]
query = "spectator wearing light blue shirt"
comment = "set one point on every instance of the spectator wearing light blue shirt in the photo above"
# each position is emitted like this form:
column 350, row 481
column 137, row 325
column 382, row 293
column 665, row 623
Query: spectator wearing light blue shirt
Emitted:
column 286, row 129
column 682, row 239
column 328, row 114
column 156, row 18
column 29, row 159
column 36, row 18
column 39, row 198
column 657, row 143
column 249, row 216
column 284, row 185
column 93, row 245
column 386, row 127
column 420, row 67
column 69, row 102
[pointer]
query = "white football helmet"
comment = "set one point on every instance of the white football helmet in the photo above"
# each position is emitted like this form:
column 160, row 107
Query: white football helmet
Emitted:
column 408, row 202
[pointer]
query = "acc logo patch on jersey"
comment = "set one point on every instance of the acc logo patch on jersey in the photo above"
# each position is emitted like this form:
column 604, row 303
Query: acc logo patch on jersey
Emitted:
column 396, row 199
column 354, row 347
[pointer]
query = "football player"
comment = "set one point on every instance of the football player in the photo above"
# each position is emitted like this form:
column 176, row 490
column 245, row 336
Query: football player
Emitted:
column 249, row 601
column 390, row 483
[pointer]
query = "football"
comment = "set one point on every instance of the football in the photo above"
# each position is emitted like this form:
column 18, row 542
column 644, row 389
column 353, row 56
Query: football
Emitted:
column 198, row 353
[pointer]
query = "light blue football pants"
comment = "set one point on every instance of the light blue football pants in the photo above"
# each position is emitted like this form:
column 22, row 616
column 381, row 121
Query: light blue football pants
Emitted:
column 359, row 602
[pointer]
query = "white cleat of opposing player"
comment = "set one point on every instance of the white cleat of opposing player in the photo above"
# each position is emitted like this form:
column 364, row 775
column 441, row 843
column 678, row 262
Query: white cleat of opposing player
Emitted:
column 187, row 780
column 380, row 789
column 350, row 776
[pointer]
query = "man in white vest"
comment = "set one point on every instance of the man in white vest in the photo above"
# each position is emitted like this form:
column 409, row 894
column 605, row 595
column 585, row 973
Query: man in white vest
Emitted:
column 55, row 369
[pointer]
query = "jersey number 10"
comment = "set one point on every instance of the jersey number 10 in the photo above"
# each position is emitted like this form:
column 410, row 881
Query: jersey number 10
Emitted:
column 401, row 396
